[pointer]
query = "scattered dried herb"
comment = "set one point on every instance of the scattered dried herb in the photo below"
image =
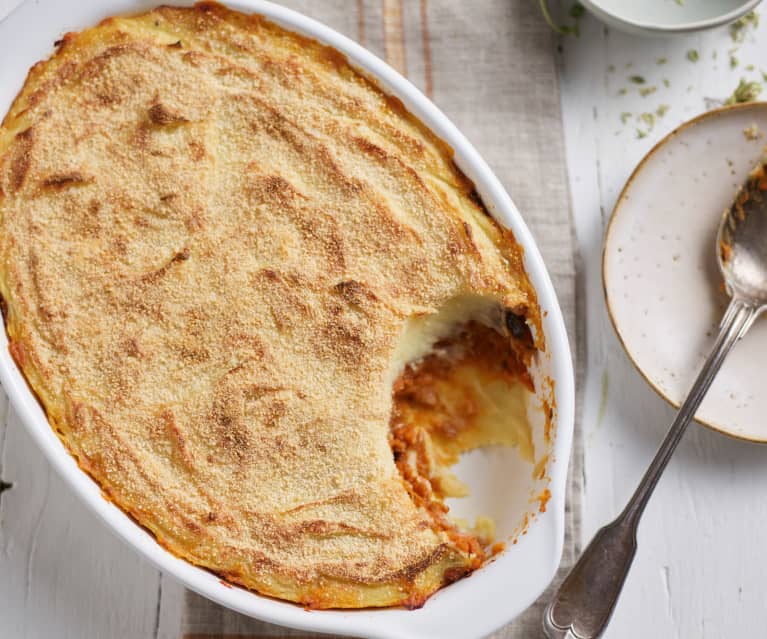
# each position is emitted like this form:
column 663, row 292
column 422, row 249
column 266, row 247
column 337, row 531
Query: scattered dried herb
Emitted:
column 661, row 61
column 744, row 92
column 752, row 132
column 666, row 83
column 693, row 55
column 625, row 117
column 739, row 28
column 641, row 134
column 733, row 61
column 648, row 119
column 636, row 79
column 645, row 91
column 662, row 110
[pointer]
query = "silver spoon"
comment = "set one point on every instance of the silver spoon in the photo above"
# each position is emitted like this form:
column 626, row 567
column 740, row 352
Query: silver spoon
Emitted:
column 582, row 606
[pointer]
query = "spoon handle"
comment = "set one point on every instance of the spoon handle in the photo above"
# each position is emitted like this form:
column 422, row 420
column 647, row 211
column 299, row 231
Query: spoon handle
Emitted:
column 582, row 606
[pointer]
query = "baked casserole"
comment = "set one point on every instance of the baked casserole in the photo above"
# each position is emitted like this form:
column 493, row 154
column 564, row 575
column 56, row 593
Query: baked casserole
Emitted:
column 260, row 305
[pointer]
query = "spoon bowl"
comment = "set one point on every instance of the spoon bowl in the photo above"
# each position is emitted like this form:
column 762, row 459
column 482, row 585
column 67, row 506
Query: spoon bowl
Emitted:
column 742, row 241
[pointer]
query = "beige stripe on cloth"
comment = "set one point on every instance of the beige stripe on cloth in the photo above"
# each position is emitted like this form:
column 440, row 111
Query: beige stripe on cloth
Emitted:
column 394, row 35
column 490, row 66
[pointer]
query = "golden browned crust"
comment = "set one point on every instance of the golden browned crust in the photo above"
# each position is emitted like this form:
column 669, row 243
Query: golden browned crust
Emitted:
column 212, row 234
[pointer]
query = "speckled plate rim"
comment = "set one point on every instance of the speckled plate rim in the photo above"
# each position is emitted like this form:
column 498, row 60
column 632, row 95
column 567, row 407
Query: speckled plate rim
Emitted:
column 494, row 595
column 660, row 29
column 703, row 117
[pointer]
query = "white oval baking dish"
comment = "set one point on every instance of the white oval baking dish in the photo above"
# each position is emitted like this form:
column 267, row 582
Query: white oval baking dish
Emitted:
column 471, row 607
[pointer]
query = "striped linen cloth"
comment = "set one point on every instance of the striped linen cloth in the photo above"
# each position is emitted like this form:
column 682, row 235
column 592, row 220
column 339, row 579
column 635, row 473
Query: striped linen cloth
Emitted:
column 490, row 66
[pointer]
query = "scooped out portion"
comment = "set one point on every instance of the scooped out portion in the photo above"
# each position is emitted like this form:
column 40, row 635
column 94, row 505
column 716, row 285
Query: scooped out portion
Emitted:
column 469, row 391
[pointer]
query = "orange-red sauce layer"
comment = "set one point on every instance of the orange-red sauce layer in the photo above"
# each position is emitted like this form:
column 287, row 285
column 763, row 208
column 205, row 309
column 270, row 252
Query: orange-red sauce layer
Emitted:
column 434, row 406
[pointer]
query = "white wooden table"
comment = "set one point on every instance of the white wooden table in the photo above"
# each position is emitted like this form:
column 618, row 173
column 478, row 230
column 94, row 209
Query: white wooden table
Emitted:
column 698, row 572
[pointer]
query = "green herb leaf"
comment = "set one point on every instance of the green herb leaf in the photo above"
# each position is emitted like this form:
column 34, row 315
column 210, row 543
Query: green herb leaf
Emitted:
column 576, row 12
column 693, row 55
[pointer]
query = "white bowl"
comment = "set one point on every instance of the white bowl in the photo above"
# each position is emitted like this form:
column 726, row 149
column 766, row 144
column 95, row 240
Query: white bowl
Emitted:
column 471, row 607
column 668, row 16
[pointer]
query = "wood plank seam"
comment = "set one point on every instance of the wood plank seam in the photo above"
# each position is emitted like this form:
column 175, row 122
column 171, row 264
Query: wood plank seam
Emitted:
column 4, row 485
column 156, row 631
column 36, row 536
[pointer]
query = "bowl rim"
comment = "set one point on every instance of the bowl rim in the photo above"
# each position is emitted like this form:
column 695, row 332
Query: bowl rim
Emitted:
column 605, row 267
column 660, row 28
column 546, row 533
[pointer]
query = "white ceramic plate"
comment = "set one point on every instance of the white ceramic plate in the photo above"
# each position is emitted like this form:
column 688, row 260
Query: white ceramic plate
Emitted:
column 668, row 16
column 502, row 482
column 662, row 285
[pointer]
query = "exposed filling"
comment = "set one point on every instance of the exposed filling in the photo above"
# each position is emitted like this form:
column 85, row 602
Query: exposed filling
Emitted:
column 469, row 391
